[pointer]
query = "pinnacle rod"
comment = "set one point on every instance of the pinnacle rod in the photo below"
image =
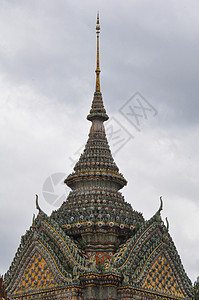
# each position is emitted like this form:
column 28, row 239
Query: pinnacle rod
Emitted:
column 98, row 67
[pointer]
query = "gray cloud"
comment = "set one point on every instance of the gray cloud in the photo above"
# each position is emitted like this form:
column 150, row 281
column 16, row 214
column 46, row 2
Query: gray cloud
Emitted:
column 47, row 63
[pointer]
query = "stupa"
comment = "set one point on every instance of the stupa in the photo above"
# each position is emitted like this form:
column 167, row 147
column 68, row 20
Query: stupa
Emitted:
column 96, row 246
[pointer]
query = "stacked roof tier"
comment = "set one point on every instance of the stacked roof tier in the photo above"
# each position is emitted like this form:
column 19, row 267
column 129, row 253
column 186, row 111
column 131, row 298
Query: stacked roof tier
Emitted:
column 95, row 205
column 96, row 166
column 95, row 202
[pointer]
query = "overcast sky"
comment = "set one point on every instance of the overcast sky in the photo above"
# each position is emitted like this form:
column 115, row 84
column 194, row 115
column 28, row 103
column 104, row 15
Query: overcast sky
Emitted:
column 47, row 80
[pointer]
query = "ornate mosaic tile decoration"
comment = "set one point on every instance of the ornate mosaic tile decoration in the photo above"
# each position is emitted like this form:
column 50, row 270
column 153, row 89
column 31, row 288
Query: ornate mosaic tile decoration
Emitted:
column 96, row 246
column 36, row 276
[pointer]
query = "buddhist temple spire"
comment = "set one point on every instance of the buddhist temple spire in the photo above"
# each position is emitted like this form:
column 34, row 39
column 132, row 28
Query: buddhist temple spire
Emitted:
column 97, row 89
column 95, row 200
column 97, row 109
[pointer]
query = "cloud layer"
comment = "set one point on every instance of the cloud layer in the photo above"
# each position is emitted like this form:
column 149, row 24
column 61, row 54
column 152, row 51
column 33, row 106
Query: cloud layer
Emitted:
column 47, row 63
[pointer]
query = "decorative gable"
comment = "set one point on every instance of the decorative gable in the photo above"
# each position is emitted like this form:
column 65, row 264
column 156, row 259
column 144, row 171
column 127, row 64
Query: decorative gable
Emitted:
column 36, row 276
column 161, row 277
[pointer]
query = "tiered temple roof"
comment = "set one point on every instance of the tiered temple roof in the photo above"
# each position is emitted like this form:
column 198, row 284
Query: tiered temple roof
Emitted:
column 95, row 204
column 96, row 246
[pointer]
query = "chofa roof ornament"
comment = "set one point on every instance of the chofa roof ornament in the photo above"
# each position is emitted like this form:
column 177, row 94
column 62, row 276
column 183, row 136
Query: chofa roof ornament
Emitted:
column 161, row 205
column 167, row 227
column 37, row 203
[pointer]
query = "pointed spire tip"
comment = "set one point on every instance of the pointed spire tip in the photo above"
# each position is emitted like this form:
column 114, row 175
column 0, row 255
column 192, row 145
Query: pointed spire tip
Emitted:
column 98, row 67
column 97, row 23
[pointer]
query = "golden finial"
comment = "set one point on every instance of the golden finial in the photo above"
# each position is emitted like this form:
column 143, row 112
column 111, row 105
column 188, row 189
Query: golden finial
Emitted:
column 98, row 68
